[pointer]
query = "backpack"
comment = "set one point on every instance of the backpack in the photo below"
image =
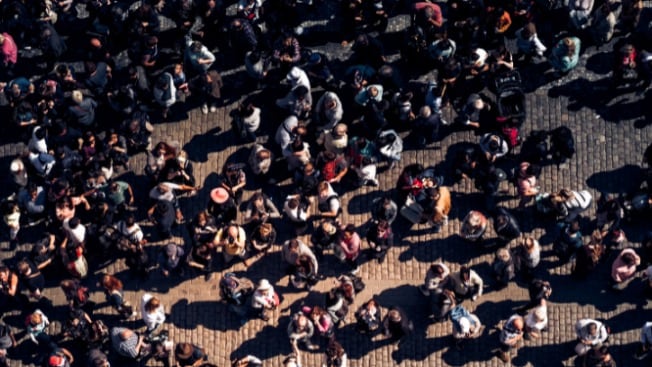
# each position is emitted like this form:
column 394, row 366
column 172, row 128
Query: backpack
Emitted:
column 326, row 205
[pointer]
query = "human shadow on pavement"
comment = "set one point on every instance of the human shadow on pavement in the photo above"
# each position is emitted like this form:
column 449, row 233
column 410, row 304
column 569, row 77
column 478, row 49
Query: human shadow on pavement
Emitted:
column 362, row 202
column 539, row 355
column 595, row 290
column 213, row 140
column 611, row 104
column 277, row 342
column 453, row 248
column 271, row 264
column 621, row 180
column 212, row 315
column 600, row 63
column 626, row 321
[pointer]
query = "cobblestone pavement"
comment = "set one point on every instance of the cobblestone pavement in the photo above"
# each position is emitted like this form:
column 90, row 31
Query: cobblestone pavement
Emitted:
column 610, row 139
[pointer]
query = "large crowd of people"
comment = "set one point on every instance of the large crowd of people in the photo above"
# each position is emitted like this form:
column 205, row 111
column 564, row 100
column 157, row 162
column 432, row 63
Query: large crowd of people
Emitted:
column 83, row 114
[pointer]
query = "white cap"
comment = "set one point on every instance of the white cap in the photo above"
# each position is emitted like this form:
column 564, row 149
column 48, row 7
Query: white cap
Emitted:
column 294, row 74
column 465, row 325
column 16, row 166
column 540, row 313
column 264, row 284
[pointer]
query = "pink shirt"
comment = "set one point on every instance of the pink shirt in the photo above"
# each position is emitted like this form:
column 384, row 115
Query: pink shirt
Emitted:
column 9, row 50
column 436, row 16
column 620, row 271
column 351, row 247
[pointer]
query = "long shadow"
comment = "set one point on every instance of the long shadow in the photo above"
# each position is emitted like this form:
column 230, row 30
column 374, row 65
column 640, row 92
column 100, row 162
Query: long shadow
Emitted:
column 362, row 203
column 613, row 105
column 600, row 63
column 276, row 342
column 540, row 354
column 621, row 180
column 212, row 315
column 210, row 141
column 598, row 293
column 453, row 249
column 272, row 265
column 534, row 76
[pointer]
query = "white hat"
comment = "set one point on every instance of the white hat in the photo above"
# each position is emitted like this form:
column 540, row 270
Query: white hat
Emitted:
column 465, row 325
column 264, row 284
column 294, row 74
column 540, row 313
column 16, row 166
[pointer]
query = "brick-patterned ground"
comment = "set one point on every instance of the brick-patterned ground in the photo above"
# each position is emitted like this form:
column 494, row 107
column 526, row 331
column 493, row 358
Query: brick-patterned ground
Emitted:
column 610, row 140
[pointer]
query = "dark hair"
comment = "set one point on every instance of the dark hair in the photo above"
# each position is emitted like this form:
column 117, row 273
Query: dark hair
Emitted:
column 62, row 69
column 300, row 91
column 130, row 219
column 533, row 170
column 246, row 110
column 465, row 271
column 73, row 222
column 90, row 66
column 254, row 56
column 629, row 259
column 329, row 156
column 293, row 203
column 383, row 224
column 39, row 132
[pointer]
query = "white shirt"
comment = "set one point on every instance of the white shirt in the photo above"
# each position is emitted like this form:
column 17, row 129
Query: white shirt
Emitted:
column 77, row 235
column 532, row 323
column 153, row 319
column 284, row 133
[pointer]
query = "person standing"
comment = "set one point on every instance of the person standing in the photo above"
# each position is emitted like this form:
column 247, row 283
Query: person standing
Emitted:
column 9, row 54
column 466, row 283
column 233, row 240
column 396, row 324
column 301, row 330
column 590, row 333
column 152, row 312
column 510, row 336
column 349, row 248
column 264, row 299
column 623, row 268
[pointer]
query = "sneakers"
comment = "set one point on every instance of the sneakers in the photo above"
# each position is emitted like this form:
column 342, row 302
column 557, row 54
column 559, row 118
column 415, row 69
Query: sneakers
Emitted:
column 356, row 270
column 312, row 346
column 213, row 109
column 204, row 109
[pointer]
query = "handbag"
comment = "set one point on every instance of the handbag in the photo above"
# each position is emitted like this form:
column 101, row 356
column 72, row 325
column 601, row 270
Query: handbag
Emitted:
column 412, row 211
